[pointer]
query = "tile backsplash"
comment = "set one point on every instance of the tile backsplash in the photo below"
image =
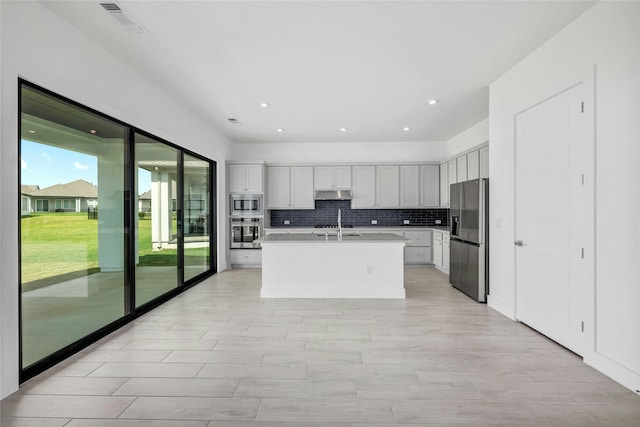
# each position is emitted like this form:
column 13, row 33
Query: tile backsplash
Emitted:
column 326, row 213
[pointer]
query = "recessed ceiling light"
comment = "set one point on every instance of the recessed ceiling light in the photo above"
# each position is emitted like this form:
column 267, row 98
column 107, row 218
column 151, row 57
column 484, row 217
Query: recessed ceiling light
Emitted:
column 264, row 104
column 280, row 130
column 32, row 131
column 433, row 101
column 343, row 129
column 406, row 128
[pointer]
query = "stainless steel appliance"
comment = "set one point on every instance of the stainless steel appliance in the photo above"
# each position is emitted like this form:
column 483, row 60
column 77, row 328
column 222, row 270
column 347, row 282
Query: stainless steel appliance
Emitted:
column 244, row 231
column 469, row 212
column 246, row 204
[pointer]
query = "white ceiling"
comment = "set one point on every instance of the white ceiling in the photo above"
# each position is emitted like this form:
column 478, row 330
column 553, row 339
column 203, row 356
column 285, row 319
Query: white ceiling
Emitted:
column 369, row 66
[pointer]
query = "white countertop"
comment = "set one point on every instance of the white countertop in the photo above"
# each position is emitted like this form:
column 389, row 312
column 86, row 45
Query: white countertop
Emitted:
column 321, row 237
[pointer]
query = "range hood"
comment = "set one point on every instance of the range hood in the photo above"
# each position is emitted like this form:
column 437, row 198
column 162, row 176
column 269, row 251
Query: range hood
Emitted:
column 333, row 195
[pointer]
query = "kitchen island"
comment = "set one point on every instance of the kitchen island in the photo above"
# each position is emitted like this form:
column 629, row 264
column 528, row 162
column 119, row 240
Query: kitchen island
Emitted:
column 323, row 265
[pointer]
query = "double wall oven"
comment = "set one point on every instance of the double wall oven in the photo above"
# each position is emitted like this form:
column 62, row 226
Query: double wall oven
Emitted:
column 246, row 221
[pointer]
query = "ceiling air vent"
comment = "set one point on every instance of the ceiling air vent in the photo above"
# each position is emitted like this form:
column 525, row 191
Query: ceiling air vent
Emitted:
column 233, row 121
column 124, row 18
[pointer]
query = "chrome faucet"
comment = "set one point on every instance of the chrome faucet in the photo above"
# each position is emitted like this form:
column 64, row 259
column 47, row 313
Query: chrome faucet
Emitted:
column 339, row 224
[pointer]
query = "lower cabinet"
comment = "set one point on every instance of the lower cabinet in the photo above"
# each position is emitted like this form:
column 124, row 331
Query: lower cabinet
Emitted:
column 441, row 250
column 245, row 258
column 419, row 250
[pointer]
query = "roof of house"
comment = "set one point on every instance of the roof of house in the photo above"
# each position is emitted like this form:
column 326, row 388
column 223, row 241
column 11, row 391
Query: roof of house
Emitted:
column 145, row 196
column 28, row 189
column 77, row 188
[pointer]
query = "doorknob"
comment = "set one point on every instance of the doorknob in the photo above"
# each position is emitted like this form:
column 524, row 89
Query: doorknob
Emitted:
column 519, row 243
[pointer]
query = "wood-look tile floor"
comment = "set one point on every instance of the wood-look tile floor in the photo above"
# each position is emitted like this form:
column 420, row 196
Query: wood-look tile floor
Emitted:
column 218, row 355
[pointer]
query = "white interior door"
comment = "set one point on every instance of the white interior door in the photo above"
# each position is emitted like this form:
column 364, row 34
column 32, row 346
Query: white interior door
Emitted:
column 550, row 210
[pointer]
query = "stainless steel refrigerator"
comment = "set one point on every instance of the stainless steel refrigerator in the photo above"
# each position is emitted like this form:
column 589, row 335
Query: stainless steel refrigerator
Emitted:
column 469, row 256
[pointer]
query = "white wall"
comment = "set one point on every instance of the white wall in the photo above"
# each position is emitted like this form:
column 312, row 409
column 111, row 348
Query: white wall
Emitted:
column 607, row 36
column 42, row 48
column 354, row 152
column 470, row 138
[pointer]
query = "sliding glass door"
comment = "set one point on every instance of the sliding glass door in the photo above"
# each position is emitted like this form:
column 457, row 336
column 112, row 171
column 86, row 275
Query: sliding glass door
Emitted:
column 72, row 266
column 156, row 228
column 113, row 222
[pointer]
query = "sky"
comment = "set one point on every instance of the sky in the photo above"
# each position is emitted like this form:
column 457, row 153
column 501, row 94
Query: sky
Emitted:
column 45, row 165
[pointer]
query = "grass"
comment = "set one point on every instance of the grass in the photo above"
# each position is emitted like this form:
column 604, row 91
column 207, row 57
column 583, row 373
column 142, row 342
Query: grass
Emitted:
column 61, row 245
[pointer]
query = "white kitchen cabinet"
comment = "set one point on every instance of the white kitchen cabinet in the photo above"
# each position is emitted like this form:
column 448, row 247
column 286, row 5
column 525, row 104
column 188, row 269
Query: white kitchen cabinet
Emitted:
column 444, row 184
column 461, row 168
column 441, row 250
column 301, row 185
column 290, row 187
column 364, row 187
column 245, row 258
column 332, row 177
column 246, row 178
column 410, row 184
column 453, row 171
column 473, row 165
column 387, row 186
column 429, row 185
column 484, row 162
column 419, row 249
column 445, row 252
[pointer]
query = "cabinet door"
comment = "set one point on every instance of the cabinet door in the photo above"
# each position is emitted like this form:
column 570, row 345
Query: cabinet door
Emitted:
column 388, row 186
column 453, row 174
column 418, row 237
column 445, row 256
column 417, row 255
column 473, row 165
column 364, row 187
column 324, row 177
column 437, row 253
column 444, row 184
column 278, row 197
column 342, row 177
column 237, row 178
column 410, row 186
column 302, row 187
column 484, row 162
column 254, row 178
column 429, row 185
column 461, row 168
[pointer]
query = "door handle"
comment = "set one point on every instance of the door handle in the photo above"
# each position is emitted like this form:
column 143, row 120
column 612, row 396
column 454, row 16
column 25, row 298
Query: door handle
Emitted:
column 519, row 243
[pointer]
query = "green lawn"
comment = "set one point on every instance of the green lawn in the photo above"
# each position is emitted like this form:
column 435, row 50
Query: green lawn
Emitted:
column 61, row 245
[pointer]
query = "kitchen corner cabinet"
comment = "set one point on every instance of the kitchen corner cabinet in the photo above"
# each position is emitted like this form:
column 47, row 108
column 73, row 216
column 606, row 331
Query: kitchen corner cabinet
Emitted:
column 246, row 178
column 290, row 187
column 332, row 177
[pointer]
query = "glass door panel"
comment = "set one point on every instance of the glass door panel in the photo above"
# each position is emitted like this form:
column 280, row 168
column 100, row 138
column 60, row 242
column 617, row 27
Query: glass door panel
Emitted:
column 197, row 216
column 72, row 266
column 156, row 222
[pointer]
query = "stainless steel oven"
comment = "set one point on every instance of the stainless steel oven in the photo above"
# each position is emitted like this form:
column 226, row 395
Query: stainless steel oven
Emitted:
column 244, row 231
column 246, row 204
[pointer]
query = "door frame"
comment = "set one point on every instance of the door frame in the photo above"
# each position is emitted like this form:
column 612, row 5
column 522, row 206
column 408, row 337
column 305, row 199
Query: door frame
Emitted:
column 587, row 302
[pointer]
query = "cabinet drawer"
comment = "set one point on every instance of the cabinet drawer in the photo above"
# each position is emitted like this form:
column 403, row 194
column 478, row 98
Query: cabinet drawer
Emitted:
column 437, row 236
column 245, row 256
column 418, row 237
column 446, row 237
column 417, row 255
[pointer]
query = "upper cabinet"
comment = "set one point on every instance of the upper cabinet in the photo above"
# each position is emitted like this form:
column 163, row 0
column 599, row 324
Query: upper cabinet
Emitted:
column 332, row 177
column 429, row 186
column 364, row 187
column 410, row 186
column 473, row 165
column 246, row 178
column 484, row 162
column 290, row 187
column 444, row 184
column 387, row 186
